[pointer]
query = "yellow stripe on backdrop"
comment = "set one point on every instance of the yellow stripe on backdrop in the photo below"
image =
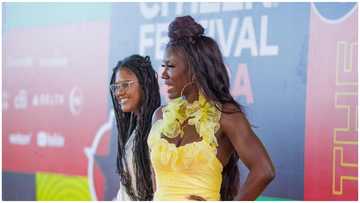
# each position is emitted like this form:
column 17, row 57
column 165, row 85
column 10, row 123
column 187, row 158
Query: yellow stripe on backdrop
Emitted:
column 52, row 186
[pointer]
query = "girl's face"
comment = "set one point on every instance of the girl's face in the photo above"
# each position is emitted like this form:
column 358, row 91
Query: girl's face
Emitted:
column 175, row 74
column 127, row 90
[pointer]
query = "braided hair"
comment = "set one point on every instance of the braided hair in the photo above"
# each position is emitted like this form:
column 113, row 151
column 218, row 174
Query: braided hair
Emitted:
column 127, row 122
column 204, row 59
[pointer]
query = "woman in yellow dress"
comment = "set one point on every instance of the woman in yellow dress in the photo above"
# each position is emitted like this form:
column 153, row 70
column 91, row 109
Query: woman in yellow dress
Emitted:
column 197, row 138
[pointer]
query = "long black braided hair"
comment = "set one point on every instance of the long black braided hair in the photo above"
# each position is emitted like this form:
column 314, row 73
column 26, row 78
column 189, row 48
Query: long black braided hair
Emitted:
column 126, row 122
column 204, row 59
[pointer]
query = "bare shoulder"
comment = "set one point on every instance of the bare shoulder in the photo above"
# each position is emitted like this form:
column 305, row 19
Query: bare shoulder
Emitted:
column 158, row 114
column 234, row 121
column 231, row 113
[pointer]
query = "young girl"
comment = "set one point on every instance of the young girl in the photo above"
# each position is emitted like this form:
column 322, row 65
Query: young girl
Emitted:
column 135, row 96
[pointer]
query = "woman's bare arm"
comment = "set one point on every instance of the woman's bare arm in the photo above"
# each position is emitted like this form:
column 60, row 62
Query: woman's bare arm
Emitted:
column 252, row 153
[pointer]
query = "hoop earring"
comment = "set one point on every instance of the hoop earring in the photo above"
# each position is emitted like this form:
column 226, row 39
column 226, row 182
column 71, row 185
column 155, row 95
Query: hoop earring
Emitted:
column 185, row 86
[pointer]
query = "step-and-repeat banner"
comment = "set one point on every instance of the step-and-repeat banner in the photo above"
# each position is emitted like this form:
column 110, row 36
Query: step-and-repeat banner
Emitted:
column 293, row 66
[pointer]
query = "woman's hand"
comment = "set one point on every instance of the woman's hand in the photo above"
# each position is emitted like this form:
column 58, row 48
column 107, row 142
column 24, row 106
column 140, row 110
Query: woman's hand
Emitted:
column 195, row 198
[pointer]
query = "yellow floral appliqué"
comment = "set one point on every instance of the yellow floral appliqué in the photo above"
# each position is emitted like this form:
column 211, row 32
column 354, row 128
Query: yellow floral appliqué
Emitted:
column 201, row 114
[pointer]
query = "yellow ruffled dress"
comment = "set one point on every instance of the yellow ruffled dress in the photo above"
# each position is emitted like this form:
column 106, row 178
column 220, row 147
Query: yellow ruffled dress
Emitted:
column 192, row 169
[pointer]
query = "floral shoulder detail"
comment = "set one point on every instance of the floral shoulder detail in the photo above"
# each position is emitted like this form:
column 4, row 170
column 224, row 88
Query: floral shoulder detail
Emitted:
column 201, row 114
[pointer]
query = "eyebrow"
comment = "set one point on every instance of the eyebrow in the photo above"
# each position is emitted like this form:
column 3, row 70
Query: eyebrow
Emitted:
column 118, row 82
column 169, row 62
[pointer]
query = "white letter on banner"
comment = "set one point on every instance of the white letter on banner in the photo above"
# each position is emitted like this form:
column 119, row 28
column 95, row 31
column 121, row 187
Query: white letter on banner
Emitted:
column 248, row 5
column 211, row 28
column 242, row 84
column 144, row 41
column 226, row 44
column 149, row 11
column 247, row 29
column 161, row 39
column 194, row 8
column 266, row 50
column 164, row 9
column 238, row 6
column 209, row 7
column 179, row 8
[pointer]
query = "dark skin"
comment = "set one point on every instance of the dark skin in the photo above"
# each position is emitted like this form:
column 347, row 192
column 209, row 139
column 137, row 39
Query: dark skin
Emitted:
column 235, row 133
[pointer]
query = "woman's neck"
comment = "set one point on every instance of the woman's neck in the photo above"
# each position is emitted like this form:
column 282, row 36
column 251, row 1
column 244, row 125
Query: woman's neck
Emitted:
column 192, row 96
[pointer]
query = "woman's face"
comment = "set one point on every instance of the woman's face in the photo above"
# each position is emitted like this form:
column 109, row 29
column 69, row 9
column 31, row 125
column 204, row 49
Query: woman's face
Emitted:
column 127, row 90
column 175, row 73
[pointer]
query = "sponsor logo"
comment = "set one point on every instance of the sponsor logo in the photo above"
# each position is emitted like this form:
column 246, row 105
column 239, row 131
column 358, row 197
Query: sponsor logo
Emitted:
column 25, row 61
column 21, row 100
column 46, row 139
column 75, row 101
column 20, row 138
column 47, row 100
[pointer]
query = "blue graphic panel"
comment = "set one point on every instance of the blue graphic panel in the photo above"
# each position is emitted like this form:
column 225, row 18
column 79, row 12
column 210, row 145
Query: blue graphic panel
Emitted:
column 334, row 11
column 18, row 186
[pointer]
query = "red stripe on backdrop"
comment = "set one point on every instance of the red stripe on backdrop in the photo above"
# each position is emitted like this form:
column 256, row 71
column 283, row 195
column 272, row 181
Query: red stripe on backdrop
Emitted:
column 55, row 81
column 331, row 110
